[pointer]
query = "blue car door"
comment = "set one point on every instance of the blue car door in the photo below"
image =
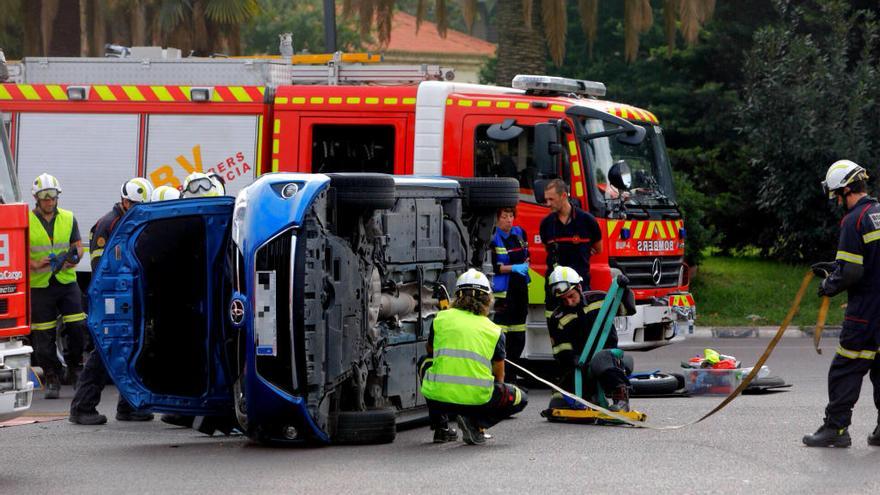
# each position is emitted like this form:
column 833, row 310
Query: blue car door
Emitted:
column 156, row 306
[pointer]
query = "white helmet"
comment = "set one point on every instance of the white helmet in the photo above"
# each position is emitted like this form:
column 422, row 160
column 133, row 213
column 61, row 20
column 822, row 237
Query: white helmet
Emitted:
column 200, row 185
column 473, row 280
column 562, row 279
column 44, row 182
column 137, row 190
column 219, row 182
column 163, row 193
column 841, row 174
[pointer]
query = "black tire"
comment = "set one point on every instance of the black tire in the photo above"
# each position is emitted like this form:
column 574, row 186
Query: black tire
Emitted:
column 489, row 193
column 769, row 381
column 679, row 378
column 655, row 384
column 367, row 191
column 365, row 427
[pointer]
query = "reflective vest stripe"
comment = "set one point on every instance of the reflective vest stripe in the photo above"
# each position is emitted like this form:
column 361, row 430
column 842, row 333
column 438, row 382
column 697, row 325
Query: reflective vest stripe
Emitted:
column 856, row 354
column 565, row 346
column 49, row 248
column 458, row 380
column 500, row 250
column 850, row 257
column 594, row 306
column 500, row 295
column 871, row 236
column 42, row 245
column 48, row 325
column 513, row 328
column 459, row 353
column 565, row 320
column 73, row 318
column 97, row 253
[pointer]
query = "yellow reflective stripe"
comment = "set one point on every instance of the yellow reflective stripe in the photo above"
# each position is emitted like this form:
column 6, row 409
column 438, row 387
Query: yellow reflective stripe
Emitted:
column 97, row 253
column 298, row 100
column 371, row 100
column 565, row 320
column 4, row 93
column 856, row 354
column 389, row 101
column 514, row 328
column 49, row 325
column 594, row 306
column 29, row 92
column 500, row 295
column 162, row 93
column 335, row 100
column 566, row 346
column 409, row 101
column 133, row 93
column 56, row 92
column 104, row 93
column 73, row 318
column 548, row 313
column 500, row 250
column 240, row 93
column 316, row 100
column 518, row 396
column 871, row 236
column 850, row 257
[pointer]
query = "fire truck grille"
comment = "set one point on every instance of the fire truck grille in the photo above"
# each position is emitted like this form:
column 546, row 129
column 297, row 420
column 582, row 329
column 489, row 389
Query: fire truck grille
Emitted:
column 275, row 256
column 647, row 272
column 4, row 306
column 7, row 322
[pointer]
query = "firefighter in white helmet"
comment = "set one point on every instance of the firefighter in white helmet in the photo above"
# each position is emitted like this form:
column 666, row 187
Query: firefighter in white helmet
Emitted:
column 164, row 193
column 55, row 250
column 464, row 375
column 201, row 185
column 83, row 408
column 856, row 269
column 570, row 325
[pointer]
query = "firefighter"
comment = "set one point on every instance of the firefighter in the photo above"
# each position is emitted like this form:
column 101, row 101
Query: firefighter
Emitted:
column 570, row 236
column 510, row 284
column 55, row 249
column 164, row 193
column 570, row 325
column 856, row 270
column 94, row 377
column 201, row 185
column 465, row 374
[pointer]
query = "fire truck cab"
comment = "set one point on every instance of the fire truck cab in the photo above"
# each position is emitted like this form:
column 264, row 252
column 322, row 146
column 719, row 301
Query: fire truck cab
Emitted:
column 162, row 118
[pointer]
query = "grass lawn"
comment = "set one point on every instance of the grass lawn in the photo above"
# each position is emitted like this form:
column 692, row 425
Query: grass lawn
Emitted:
column 756, row 292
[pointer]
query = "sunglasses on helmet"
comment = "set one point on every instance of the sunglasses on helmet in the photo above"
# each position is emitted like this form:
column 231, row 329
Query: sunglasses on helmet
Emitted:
column 560, row 288
column 200, row 184
column 48, row 194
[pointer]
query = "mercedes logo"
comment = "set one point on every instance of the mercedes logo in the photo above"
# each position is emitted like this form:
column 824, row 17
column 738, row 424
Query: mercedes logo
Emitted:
column 236, row 311
column 656, row 271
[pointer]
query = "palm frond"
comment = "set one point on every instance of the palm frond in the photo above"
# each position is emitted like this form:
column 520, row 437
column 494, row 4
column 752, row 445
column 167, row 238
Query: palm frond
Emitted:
column 231, row 11
column 689, row 15
column 589, row 10
column 172, row 13
column 469, row 12
column 421, row 9
column 441, row 17
column 670, row 15
column 384, row 17
column 555, row 21
column 366, row 11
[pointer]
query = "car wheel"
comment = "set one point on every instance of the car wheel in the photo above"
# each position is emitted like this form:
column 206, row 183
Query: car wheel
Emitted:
column 654, row 384
column 368, row 191
column 365, row 427
column 490, row 192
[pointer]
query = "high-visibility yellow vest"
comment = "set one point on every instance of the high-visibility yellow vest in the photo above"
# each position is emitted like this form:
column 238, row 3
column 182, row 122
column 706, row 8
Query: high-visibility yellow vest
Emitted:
column 42, row 246
column 461, row 373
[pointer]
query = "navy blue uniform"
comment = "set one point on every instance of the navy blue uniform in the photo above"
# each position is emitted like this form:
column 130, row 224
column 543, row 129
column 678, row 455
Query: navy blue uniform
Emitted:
column 511, row 291
column 569, row 245
column 860, row 337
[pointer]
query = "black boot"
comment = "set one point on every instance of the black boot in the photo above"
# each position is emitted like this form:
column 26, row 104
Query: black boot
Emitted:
column 620, row 399
column 443, row 435
column 828, row 436
column 874, row 438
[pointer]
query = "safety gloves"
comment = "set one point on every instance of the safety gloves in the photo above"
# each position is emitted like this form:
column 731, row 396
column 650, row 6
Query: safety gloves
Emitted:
column 521, row 269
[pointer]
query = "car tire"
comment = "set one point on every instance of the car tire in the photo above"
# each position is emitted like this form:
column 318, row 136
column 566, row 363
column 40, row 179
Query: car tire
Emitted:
column 365, row 427
column 655, row 384
column 489, row 193
column 364, row 190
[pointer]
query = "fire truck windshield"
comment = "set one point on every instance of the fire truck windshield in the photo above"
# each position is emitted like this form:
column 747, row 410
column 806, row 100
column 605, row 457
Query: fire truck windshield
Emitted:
column 648, row 161
column 8, row 186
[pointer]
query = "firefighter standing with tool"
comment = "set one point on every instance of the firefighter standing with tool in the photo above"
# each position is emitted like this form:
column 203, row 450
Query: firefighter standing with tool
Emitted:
column 510, row 284
column 83, row 408
column 55, row 249
column 465, row 374
column 570, row 325
column 570, row 236
column 856, row 269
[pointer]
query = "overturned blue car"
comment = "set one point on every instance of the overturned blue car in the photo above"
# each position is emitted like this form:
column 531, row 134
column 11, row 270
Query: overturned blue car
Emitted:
column 295, row 312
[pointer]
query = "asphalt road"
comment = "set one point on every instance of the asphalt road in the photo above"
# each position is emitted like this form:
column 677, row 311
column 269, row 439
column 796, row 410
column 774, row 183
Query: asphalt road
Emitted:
column 753, row 446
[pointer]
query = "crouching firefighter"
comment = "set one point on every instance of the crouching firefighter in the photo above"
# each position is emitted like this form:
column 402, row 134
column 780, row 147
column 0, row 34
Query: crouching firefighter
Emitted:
column 856, row 270
column 463, row 375
column 585, row 346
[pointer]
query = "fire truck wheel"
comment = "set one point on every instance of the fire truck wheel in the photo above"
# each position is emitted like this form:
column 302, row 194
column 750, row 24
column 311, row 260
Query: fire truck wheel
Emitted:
column 654, row 384
column 365, row 190
column 365, row 427
column 490, row 192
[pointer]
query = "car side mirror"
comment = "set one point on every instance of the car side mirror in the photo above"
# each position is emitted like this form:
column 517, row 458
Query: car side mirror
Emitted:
column 539, row 187
column 620, row 175
column 546, row 148
column 504, row 131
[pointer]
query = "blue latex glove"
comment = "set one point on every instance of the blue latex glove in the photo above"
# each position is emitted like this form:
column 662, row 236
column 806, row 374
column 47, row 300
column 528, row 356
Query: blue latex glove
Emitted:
column 53, row 261
column 520, row 269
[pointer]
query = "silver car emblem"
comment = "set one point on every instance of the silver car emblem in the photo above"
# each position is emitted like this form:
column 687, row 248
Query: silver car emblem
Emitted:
column 236, row 311
column 656, row 271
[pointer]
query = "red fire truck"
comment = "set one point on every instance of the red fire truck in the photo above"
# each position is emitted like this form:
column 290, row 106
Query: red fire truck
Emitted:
column 94, row 123
column 16, row 391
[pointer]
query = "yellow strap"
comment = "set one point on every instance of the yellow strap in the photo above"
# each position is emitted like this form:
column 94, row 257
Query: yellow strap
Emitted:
column 850, row 257
column 565, row 346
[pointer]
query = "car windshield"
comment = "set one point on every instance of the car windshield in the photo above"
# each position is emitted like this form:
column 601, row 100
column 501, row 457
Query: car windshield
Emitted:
column 8, row 187
column 648, row 161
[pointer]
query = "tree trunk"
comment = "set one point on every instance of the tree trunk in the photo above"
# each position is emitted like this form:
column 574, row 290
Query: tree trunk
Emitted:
column 32, row 45
column 200, row 39
column 234, row 38
column 84, row 28
column 521, row 50
column 65, row 41
column 99, row 28
column 47, row 23
column 138, row 23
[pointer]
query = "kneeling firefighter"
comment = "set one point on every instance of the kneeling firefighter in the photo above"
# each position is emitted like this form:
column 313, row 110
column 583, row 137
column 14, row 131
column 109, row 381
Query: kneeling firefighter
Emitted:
column 464, row 372
column 570, row 326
